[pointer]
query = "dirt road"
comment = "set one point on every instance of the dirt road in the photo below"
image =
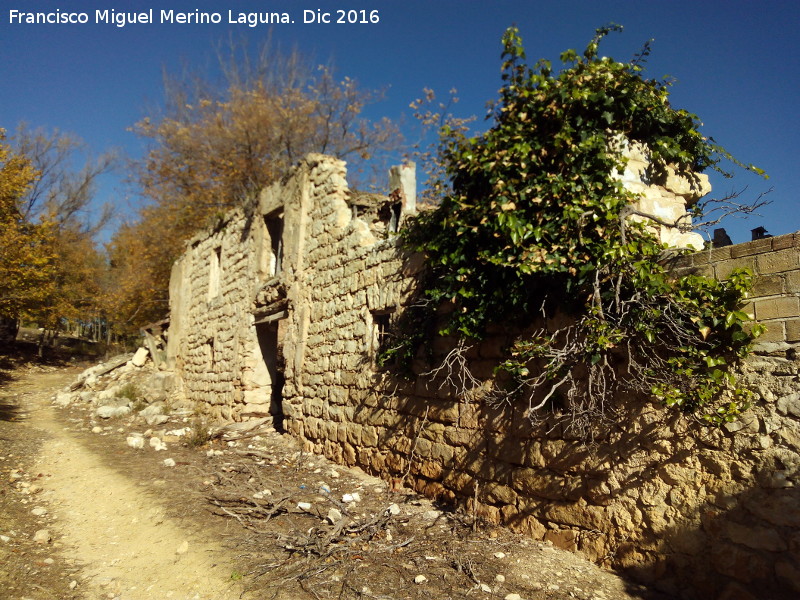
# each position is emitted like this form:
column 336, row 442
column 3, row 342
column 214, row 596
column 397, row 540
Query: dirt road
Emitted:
column 84, row 516
column 117, row 540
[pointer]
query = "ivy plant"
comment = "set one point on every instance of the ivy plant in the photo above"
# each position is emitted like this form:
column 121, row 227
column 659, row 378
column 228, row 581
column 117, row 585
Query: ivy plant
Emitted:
column 535, row 221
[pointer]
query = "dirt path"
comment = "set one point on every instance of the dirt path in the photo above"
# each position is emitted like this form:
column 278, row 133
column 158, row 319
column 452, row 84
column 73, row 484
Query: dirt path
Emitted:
column 255, row 518
column 126, row 545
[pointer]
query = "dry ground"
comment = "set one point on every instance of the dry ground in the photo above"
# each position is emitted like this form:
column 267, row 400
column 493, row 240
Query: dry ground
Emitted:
column 253, row 518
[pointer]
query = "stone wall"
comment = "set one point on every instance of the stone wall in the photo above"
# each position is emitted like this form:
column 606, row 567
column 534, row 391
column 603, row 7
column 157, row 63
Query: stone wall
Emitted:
column 775, row 298
column 281, row 313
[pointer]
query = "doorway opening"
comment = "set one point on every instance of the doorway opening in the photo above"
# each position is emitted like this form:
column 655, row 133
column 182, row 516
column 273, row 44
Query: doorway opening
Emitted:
column 273, row 359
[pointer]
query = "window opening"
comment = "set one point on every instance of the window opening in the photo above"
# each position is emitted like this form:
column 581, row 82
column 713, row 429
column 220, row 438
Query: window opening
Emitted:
column 214, row 273
column 274, row 226
column 379, row 330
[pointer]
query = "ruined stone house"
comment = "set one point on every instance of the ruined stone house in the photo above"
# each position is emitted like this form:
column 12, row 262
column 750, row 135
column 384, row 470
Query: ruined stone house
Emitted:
column 280, row 313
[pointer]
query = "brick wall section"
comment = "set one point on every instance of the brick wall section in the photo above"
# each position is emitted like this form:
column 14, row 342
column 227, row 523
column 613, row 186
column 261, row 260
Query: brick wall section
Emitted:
column 775, row 298
column 698, row 513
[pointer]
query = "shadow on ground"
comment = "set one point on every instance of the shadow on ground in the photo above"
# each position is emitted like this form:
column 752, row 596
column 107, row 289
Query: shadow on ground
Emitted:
column 9, row 410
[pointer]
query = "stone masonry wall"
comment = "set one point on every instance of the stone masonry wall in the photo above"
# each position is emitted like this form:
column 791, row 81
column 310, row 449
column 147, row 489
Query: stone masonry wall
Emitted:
column 775, row 298
column 215, row 324
column 701, row 513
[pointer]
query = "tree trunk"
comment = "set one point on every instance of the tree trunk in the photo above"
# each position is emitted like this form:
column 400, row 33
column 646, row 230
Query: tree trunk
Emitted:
column 9, row 327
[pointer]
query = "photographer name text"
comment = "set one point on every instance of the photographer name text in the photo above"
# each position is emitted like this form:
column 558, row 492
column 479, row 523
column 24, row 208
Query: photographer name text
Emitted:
column 195, row 17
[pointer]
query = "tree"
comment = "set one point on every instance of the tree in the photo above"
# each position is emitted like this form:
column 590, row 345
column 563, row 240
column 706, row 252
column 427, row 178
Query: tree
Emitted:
column 534, row 221
column 63, row 191
column 217, row 145
column 52, row 267
column 25, row 259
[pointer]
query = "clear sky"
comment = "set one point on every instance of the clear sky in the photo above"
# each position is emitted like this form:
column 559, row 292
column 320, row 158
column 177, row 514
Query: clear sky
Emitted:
column 736, row 64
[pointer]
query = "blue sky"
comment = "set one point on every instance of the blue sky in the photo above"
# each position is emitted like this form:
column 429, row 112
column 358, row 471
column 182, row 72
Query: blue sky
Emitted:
column 736, row 66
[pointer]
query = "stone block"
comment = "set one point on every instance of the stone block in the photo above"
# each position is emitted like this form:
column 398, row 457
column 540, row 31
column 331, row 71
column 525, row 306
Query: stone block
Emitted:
column 793, row 282
column 341, row 432
column 757, row 538
column 353, row 434
column 778, row 308
column 490, row 515
column 499, row 494
column 750, row 248
column 774, row 333
column 738, row 563
column 349, row 454
column 718, row 254
column 778, row 262
column 577, row 514
column 684, row 261
column 537, row 483
column 768, row 285
column 459, row 437
column 443, row 411
column 566, row 539
column 781, row 242
column 140, row 357
column 792, row 330
column 777, row 507
column 442, row 452
column 700, row 258
column 789, row 404
column 723, row 269
column 369, row 436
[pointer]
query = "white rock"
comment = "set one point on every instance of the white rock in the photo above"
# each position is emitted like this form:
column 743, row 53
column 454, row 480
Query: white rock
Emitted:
column 111, row 412
column 306, row 506
column 499, row 554
column 73, row 584
column 152, row 409
column 140, row 357
column 431, row 515
column 156, row 444
column 393, row 509
column 155, row 420
column 39, row 512
column 5, row 538
column 168, row 462
column 500, row 578
column 135, row 441
column 183, row 548
column 334, row 516
column 63, row 399
column 108, row 394
column 420, row 579
column 513, row 597
column 97, row 429
column 42, row 536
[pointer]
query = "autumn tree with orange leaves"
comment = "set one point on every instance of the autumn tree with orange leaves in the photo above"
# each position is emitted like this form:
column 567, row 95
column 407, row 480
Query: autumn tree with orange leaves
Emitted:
column 217, row 145
column 26, row 263
column 51, row 271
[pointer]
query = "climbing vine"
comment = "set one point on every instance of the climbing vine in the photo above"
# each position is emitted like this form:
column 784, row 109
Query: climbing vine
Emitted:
column 535, row 222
